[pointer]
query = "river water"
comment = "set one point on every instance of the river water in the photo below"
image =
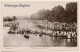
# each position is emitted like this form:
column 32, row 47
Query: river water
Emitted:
column 18, row 40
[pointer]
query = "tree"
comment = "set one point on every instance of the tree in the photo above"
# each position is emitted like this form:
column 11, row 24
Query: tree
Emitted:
column 57, row 13
column 41, row 15
column 44, row 14
column 71, row 12
column 14, row 18
column 35, row 16
column 7, row 18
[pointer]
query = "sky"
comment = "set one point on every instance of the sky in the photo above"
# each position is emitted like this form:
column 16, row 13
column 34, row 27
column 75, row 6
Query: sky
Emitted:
column 33, row 8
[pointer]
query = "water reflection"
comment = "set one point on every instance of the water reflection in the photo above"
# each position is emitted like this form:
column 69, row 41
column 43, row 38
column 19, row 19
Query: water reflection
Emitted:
column 35, row 40
column 48, row 41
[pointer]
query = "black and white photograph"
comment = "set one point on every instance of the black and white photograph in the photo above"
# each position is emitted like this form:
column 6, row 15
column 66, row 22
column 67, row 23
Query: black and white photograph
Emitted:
column 40, row 24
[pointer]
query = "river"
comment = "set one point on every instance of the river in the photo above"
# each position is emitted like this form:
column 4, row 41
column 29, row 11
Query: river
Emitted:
column 18, row 40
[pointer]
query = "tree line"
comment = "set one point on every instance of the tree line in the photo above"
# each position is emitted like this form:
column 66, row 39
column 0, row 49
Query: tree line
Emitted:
column 9, row 18
column 58, row 14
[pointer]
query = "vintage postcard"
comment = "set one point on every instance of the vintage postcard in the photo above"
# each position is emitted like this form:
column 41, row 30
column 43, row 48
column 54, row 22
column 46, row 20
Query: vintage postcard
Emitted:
column 39, row 25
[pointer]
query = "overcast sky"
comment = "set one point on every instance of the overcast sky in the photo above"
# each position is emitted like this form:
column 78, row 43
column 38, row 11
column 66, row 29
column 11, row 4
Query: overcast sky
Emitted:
column 27, row 11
